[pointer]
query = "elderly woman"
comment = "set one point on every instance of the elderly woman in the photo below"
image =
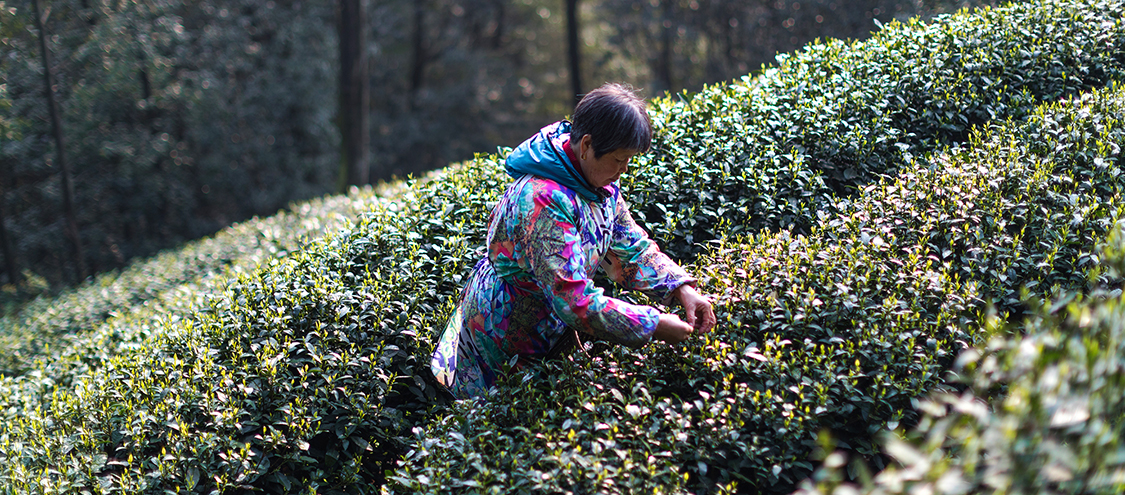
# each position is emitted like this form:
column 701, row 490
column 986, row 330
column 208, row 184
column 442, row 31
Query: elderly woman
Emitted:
column 533, row 295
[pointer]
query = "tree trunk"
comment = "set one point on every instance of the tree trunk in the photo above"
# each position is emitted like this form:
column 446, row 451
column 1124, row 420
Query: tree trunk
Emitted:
column 144, row 79
column 420, row 58
column 355, row 93
column 664, row 62
column 574, row 51
column 10, row 265
column 498, row 35
column 60, row 147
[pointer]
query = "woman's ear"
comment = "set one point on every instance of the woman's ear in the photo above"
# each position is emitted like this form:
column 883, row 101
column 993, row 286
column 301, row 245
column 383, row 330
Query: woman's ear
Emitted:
column 585, row 145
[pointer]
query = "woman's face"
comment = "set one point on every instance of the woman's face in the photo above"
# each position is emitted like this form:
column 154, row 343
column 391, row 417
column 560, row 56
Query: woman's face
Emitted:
column 606, row 169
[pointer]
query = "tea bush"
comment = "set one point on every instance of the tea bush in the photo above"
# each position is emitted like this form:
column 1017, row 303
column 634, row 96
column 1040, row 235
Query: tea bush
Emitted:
column 772, row 151
column 302, row 375
column 53, row 343
column 1042, row 412
column 53, row 321
column 841, row 330
column 299, row 374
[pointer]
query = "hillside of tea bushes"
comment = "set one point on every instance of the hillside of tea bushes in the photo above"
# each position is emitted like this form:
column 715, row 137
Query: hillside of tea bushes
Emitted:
column 164, row 284
column 840, row 331
column 1043, row 414
column 778, row 150
column 858, row 211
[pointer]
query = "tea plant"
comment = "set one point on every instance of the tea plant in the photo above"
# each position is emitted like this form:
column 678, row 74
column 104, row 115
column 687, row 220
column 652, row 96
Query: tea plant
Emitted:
column 51, row 343
column 301, row 373
column 773, row 151
column 165, row 279
column 1041, row 414
column 841, row 330
column 843, row 296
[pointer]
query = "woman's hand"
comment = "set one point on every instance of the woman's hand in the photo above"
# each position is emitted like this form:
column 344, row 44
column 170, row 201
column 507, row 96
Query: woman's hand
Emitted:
column 671, row 329
column 697, row 308
column 700, row 316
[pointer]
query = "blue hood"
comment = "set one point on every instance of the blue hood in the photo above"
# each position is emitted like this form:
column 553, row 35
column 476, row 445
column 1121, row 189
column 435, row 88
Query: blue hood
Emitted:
column 542, row 155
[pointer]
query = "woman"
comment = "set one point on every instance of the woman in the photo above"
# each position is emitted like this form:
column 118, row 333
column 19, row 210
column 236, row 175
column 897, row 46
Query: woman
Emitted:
column 533, row 294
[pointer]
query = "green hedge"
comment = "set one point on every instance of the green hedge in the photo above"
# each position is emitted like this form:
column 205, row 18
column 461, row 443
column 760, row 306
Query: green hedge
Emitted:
column 49, row 346
column 301, row 374
column 54, row 321
column 165, row 285
column 1041, row 414
column 840, row 330
column 297, row 374
column 773, row 151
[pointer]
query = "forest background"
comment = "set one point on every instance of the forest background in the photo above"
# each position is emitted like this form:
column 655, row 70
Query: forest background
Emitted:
column 176, row 118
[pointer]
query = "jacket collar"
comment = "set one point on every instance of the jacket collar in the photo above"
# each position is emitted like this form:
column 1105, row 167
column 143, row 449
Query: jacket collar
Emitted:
column 543, row 155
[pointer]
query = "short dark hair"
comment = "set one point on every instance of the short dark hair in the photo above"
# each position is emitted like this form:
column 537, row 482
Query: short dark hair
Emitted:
column 615, row 118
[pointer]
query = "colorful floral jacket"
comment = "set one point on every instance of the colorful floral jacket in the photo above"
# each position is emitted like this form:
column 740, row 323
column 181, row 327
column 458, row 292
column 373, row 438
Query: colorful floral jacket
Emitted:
column 547, row 235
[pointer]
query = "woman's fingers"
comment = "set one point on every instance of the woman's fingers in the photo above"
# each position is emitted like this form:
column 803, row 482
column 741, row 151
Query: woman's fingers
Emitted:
column 708, row 316
column 700, row 314
column 672, row 329
column 709, row 320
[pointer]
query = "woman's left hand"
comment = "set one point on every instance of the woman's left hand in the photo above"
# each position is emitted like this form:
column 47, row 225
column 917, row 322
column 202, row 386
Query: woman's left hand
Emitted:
column 697, row 309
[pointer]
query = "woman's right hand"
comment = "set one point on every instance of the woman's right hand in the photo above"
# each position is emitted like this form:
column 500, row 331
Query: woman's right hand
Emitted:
column 671, row 329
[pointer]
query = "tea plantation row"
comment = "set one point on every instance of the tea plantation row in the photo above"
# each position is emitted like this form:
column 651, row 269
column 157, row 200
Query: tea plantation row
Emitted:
column 841, row 330
column 1043, row 414
column 48, row 322
column 52, row 342
column 280, row 382
column 775, row 151
column 302, row 374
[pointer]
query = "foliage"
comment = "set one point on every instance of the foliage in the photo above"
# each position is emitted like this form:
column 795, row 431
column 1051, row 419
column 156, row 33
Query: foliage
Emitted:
column 776, row 150
column 175, row 121
column 306, row 374
column 182, row 117
column 1041, row 412
column 683, row 44
column 275, row 364
column 839, row 330
column 54, row 344
column 95, row 319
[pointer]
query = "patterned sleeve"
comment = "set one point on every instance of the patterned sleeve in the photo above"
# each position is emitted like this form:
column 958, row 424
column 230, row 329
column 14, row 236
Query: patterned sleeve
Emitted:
column 635, row 261
column 558, row 264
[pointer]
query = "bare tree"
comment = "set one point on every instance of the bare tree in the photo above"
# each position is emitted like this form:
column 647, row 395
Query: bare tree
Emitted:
column 355, row 94
column 60, row 146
